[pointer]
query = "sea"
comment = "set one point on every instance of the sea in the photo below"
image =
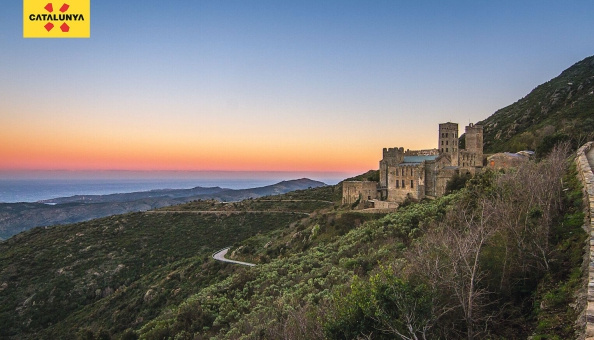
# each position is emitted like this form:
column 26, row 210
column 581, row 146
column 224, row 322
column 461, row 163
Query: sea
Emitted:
column 14, row 190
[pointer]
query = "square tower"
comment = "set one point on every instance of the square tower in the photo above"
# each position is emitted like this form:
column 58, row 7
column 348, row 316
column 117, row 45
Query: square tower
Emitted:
column 391, row 157
column 448, row 141
column 474, row 143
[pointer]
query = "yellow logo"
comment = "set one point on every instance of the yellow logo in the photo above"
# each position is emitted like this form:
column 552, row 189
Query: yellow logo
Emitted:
column 56, row 19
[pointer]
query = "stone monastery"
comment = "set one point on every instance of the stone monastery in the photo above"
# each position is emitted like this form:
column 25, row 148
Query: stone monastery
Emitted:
column 420, row 173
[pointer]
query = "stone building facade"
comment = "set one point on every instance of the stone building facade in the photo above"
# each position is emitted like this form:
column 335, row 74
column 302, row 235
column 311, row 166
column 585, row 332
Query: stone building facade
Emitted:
column 358, row 190
column 506, row 160
column 421, row 173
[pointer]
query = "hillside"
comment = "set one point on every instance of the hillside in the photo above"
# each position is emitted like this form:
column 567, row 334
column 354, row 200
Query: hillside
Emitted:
column 323, row 271
column 138, row 264
column 562, row 108
column 18, row 217
column 344, row 275
column 500, row 258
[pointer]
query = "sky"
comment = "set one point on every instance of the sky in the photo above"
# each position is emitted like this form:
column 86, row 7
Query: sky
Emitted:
column 318, row 86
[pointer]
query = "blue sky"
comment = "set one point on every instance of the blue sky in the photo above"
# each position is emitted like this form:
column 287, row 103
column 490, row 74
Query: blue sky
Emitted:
column 273, row 85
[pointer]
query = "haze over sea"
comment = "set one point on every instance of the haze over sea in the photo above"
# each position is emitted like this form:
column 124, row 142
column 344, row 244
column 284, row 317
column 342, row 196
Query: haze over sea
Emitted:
column 35, row 186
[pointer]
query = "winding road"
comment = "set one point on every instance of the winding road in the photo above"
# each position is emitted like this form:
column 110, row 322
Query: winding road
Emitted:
column 220, row 256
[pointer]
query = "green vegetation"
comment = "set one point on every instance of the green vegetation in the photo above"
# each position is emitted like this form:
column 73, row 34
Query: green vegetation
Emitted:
column 499, row 258
column 371, row 175
column 562, row 107
column 139, row 263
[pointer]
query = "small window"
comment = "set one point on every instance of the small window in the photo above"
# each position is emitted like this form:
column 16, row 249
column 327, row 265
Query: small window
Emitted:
column 446, row 135
column 447, row 142
column 403, row 184
column 397, row 184
column 441, row 142
column 411, row 184
column 446, row 149
column 402, row 171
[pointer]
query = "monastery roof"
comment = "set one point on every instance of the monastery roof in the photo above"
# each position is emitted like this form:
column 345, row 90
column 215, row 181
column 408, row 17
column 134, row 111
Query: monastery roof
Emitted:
column 418, row 159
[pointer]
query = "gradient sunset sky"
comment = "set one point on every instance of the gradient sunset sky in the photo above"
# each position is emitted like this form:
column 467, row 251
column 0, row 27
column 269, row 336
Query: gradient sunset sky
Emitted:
column 271, row 85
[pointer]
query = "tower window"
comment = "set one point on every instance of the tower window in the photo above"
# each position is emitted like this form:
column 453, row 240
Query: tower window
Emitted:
column 403, row 184
column 411, row 184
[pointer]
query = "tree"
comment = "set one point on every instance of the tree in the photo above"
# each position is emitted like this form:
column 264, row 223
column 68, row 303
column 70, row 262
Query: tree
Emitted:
column 448, row 259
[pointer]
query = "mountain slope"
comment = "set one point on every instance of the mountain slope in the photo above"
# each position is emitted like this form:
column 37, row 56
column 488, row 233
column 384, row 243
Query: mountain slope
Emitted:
column 18, row 217
column 564, row 106
column 133, row 265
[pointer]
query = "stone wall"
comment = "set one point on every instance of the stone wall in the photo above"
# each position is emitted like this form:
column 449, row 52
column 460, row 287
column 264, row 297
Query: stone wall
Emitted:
column 443, row 177
column 353, row 190
column 505, row 160
column 587, row 177
column 384, row 205
column 425, row 152
column 406, row 180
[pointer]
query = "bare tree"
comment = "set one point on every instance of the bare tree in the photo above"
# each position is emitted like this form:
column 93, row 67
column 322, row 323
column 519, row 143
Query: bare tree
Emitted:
column 449, row 259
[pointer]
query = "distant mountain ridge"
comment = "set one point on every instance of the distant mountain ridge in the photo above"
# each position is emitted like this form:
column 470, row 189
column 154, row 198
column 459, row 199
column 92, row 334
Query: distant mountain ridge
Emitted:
column 563, row 106
column 18, row 217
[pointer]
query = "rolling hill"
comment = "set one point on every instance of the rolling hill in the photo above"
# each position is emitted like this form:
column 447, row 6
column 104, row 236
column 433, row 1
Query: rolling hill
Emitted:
column 18, row 217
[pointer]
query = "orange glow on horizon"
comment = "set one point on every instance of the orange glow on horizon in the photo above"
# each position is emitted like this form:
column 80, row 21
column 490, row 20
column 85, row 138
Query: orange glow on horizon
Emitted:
column 83, row 153
column 89, row 143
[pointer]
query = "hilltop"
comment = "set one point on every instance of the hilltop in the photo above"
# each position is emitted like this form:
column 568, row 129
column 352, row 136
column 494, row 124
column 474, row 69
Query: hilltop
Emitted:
column 560, row 109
